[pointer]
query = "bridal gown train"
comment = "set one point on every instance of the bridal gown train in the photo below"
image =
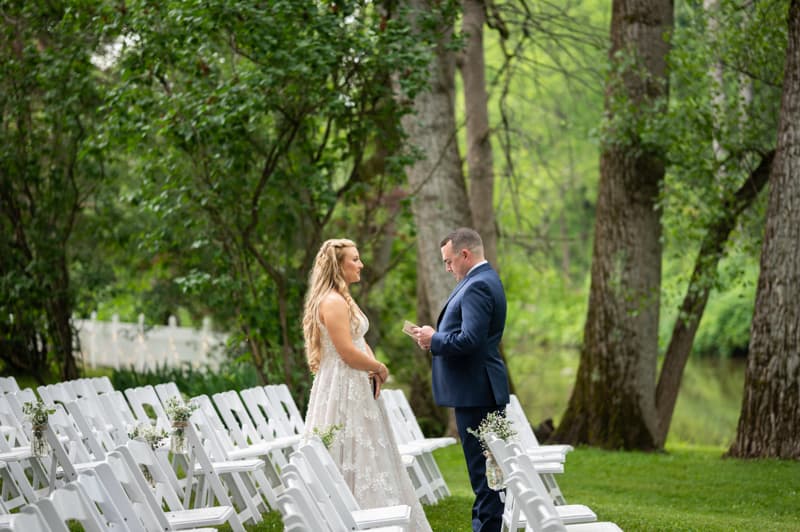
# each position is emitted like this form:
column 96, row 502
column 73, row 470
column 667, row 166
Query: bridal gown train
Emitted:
column 364, row 448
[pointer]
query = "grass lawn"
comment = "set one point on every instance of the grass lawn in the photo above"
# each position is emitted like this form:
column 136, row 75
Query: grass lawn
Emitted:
column 687, row 488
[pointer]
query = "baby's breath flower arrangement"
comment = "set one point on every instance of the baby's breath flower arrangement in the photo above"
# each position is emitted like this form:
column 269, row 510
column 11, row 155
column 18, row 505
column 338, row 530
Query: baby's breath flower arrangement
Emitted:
column 38, row 413
column 498, row 424
column 327, row 435
column 494, row 422
column 152, row 435
column 179, row 412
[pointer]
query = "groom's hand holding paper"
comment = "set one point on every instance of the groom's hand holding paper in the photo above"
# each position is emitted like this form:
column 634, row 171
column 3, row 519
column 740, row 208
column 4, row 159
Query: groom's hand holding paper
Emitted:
column 408, row 328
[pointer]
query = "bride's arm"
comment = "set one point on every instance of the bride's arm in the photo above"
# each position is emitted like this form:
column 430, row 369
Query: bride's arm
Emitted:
column 333, row 313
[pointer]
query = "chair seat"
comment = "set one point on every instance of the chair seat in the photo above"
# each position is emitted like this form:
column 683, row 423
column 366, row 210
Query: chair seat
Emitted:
column 232, row 466
column 257, row 449
column 214, row 515
column 570, row 514
column 548, row 467
column 16, row 454
column 386, row 515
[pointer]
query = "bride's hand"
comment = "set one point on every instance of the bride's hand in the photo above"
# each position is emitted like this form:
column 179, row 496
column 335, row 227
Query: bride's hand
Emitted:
column 378, row 384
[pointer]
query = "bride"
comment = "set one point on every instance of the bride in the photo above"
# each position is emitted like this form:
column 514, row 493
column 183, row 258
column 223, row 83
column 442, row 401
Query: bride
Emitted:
column 342, row 394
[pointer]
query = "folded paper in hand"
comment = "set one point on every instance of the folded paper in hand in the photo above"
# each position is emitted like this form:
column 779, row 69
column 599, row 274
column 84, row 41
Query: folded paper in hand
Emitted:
column 407, row 325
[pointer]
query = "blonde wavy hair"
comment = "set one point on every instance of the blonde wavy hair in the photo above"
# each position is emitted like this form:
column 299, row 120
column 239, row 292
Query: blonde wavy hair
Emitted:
column 326, row 276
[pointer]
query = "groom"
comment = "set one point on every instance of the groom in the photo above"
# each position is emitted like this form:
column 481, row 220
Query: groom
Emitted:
column 468, row 372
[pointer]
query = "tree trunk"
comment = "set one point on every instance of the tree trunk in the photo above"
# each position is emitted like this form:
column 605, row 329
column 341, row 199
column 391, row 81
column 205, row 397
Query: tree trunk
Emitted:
column 439, row 194
column 480, row 163
column 613, row 402
column 479, row 145
column 768, row 424
column 697, row 292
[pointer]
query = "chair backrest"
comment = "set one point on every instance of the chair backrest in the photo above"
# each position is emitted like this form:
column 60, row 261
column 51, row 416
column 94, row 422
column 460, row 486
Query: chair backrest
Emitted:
column 130, row 498
column 92, row 426
column 71, row 503
column 298, row 513
column 270, row 418
column 144, row 401
column 319, row 516
column 60, row 392
column 281, row 394
column 8, row 384
column 237, row 419
column 117, row 474
column 400, row 401
column 539, row 511
column 28, row 519
column 165, row 390
column 326, row 470
column 511, row 458
column 108, row 507
column 519, row 420
column 102, row 384
column 400, row 426
column 67, row 443
column 139, row 455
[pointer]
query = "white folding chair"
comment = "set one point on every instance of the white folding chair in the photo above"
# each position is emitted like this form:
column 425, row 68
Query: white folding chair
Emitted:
column 108, row 508
column 280, row 395
column 179, row 516
column 70, row 503
column 541, row 515
column 511, row 458
column 420, row 449
column 271, row 419
column 147, row 407
column 245, row 468
column 28, row 519
column 245, row 435
column 327, row 484
column 526, row 436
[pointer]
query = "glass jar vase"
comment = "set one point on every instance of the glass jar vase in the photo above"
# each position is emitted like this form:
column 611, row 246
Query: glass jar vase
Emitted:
column 177, row 440
column 494, row 475
column 39, row 445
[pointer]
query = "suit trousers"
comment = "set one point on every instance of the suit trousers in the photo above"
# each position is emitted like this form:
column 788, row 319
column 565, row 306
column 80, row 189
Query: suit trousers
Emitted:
column 487, row 511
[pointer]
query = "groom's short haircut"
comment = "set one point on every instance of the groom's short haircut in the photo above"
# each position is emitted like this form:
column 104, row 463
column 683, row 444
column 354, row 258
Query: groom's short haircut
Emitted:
column 464, row 238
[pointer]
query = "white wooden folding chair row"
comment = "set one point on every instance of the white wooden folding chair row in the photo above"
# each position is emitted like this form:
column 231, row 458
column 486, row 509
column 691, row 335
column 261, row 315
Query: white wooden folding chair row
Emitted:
column 79, row 441
column 315, row 485
column 112, row 497
column 530, row 444
column 23, row 478
column 246, row 469
column 517, row 464
column 424, row 471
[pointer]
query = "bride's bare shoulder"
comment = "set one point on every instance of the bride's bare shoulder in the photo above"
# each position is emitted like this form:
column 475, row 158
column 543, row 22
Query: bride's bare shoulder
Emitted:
column 332, row 304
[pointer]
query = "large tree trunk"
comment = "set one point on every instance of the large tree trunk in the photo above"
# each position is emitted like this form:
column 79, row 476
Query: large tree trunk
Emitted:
column 479, row 145
column 769, row 425
column 613, row 402
column 480, row 164
column 440, row 201
column 697, row 292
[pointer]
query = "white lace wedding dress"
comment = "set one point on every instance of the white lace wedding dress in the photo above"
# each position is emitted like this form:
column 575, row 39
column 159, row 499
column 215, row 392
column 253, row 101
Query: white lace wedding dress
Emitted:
column 365, row 448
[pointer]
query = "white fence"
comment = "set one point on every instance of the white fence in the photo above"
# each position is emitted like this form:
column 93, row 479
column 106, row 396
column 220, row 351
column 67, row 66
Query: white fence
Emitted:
column 122, row 345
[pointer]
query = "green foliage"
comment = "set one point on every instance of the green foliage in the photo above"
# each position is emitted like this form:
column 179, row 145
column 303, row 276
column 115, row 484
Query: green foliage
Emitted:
column 51, row 162
column 230, row 375
column 258, row 132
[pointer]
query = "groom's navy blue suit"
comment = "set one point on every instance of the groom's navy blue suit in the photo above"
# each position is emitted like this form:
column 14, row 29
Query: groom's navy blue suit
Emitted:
column 469, row 375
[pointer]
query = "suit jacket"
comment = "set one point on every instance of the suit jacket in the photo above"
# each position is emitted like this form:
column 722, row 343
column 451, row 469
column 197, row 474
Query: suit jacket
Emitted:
column 467, row 368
